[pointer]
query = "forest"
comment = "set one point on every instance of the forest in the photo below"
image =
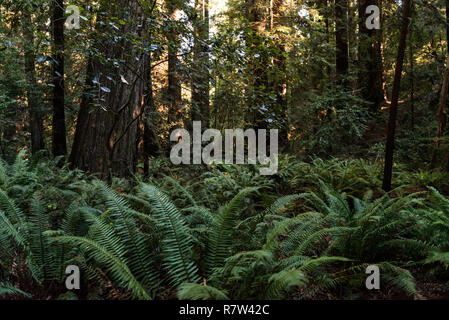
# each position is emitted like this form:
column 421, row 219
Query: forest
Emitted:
column 326, row 176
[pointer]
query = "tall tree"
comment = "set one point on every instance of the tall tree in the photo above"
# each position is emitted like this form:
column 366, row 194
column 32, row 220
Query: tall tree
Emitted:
column 369, row 56
column 58, row 125
column 174, row 79
column 33, row 96
column 341, row 41
column 447, row 25
column 389, row 148
column 200, row 76
column 442, row 113
column 108, row 128
column 151, row 146
column 278, row 79
column 257, row 62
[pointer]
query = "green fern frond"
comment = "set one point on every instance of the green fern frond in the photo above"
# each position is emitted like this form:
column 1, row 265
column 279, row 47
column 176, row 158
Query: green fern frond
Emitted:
column 118, row 270
column 282, row 282
column 221, row 235
column 177, row 246
column 398, row 277
column 182, row 189
column 195, row 291
column 8, row 289
column 125, row 227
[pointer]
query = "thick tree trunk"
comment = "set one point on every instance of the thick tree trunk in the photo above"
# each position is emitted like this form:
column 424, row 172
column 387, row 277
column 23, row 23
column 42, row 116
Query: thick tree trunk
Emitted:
column 108, row 135
column 83, row 114
column 370, row 61
column 389, row 148
column 200, row 77
column 33, row 96
column 58, row 125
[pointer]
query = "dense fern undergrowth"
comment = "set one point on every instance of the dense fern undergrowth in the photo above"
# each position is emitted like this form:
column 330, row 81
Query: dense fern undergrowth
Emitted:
column 222, row 232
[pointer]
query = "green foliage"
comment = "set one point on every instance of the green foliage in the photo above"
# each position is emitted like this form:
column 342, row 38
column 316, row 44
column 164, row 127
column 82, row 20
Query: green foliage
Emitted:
column 135, row 242
column 193, row 291
column 176, row 244
column 222, row 230
column 9, row 289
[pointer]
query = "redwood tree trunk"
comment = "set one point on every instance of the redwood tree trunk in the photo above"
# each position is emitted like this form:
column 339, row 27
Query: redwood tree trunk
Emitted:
column 389, row 148
column 107, row 135
column 58, row 125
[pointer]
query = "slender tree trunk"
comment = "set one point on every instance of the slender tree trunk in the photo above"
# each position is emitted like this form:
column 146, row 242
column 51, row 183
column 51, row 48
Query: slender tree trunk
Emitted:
column 200, row 78
column 389, row 148
column 442, row 114
column 412, row 73
column 370, row 61
column 257, row 68
column 33, row 96
column 58, row 125
column 174, row 81
column 447, row 25
column 341, row 41
column 278, row 84
column 383, row 66
column 151, row 146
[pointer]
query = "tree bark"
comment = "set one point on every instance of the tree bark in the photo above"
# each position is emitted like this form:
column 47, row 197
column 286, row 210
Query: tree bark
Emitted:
column 442, row 114
column 447, row 25
column 58, row 124
column 200, row 77
column 33, row 96
column 370, row 61
column 108, row 134
column 83, row 114
column 257, row 68
column 151, row 146
column 412, row 73
column 174, row 80
column 389, row 148
column 341, row 41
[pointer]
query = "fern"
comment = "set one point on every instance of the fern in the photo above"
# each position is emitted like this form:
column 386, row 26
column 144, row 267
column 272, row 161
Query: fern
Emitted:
column 177, row 247
column 117, row 268
column 221, row 234
column 8, row 289
column 194, row 291
column 125, row 227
